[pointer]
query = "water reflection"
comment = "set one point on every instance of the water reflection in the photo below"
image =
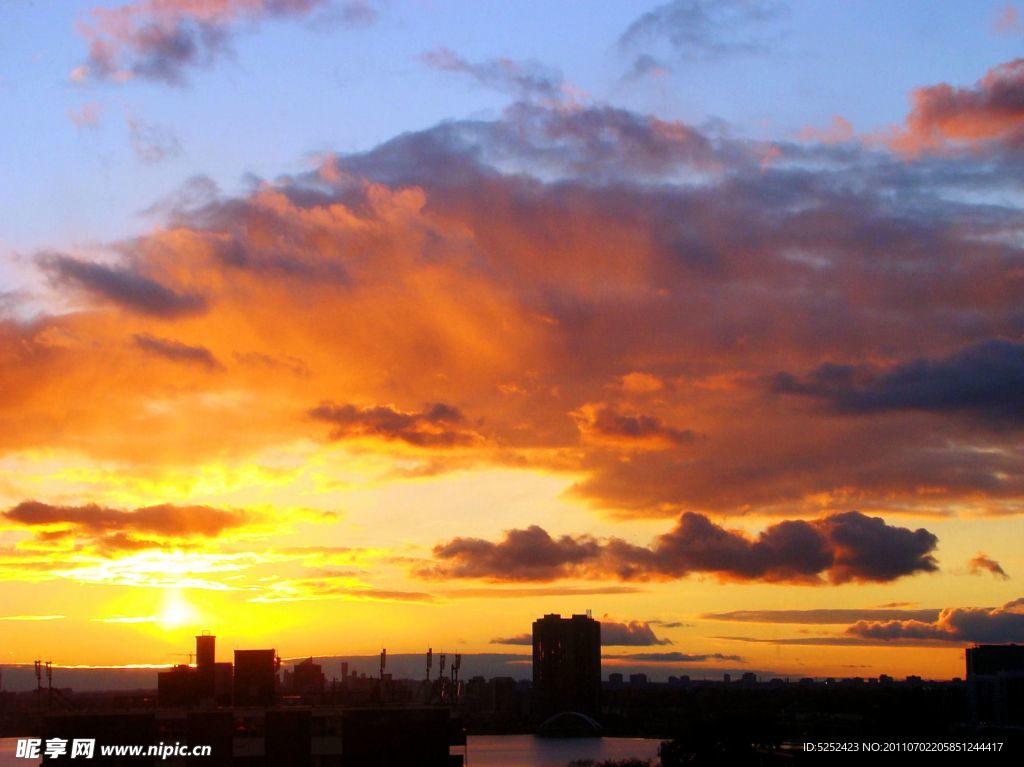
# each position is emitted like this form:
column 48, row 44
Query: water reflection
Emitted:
column 530, row 751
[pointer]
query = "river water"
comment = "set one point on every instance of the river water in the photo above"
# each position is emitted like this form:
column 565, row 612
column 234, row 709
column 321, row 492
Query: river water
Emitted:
column 495, row 750
column 529, row 751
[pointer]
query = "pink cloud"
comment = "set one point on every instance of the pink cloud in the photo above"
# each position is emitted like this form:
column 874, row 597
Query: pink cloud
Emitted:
column 946, row 116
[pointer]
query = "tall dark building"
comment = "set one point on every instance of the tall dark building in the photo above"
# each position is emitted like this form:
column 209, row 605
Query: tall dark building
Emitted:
column 206, row 650
column 307, row 678
column 206, row 659
column 255, row 677
column 566, row 665
column 995, row 683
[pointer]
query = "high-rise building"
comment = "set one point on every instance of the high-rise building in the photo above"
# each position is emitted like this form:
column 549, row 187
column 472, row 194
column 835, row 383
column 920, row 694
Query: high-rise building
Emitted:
column 566, row 665
column 206, row 657
column 307, row 678
column 255, row 677
column 206, row 650
column 995, row 684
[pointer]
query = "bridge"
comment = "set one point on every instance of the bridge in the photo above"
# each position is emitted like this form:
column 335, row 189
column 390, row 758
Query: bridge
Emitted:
column 570, row 724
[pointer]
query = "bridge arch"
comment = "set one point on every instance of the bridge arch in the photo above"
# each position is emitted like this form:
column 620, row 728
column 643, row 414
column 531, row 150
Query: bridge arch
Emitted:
column 570, row 723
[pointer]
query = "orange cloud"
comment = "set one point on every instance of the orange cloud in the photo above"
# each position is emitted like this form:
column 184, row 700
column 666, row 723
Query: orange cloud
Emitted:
column 981, row 562
column 115, row 530
column 342, row 306
column 838, row 130
column 946, row 116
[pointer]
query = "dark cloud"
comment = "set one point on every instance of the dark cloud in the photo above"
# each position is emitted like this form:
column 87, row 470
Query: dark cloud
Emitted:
column 165, row 520
column 955, row 624
column 175, row 351
column 629, row 633
column 534, row 592
column 523, row 555
column 866, row 548
column 613, row 634
column 672, row 657
column 703, row 29
column 985, row 379
column 524, row 80
column 645, row 65
column 838, row 548
column 291, row 364
column 981, row 562
column 518, row 639
column 603, row 422
column 822, row 616
column 848, row 546
column 124, row 287
column 439, row 425
column 833, row 641
column 162, row 39
column 598, row 143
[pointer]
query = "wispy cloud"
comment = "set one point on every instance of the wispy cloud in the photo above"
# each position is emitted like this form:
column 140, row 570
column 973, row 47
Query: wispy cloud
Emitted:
column 87, row 115
column 952, row 626
column 698, row 29
column 152, row 143
column 176, row 351
column 122, row 286
column 162, row 40
column 524, row 80
column 983, row 563
column 822, row 616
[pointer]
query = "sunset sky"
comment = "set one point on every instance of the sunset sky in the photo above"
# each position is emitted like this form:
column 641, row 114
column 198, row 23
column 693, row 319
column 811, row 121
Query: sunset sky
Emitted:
column 331, row 325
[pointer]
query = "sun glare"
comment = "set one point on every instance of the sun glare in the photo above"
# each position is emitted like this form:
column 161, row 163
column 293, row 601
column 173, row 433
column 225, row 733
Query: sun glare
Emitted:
column 177, row 612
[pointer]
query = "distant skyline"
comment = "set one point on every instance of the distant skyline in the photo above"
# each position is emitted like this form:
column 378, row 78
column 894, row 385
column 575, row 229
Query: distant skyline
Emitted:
column 331, row 325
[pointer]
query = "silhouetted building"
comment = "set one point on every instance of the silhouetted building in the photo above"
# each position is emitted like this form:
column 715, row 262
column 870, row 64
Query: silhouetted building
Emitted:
column 206, row 669
column 307, row 678
column 566, row 665
column 177, row 687
column 208, row 683
column 995, row 684
column 206, row 650
column 255, row 677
